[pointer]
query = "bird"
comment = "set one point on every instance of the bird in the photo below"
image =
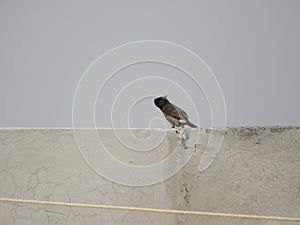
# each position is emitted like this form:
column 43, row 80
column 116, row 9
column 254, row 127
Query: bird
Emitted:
column 176, row 116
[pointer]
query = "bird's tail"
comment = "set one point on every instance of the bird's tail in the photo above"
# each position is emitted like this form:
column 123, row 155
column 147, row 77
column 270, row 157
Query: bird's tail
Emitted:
column 190, row 124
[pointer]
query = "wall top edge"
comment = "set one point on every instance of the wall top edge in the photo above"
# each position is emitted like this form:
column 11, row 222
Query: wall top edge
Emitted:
column 117, row 128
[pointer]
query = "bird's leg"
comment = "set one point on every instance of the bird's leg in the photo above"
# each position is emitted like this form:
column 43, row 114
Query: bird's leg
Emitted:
column 174, row 127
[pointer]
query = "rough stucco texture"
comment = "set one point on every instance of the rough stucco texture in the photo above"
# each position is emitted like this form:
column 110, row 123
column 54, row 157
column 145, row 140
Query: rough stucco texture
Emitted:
column 257, row 171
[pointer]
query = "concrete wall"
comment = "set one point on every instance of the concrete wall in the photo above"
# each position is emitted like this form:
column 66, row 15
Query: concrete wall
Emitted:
column 257, row 171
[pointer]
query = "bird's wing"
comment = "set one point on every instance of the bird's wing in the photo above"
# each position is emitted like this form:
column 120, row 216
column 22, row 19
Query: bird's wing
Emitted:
column 175, row 111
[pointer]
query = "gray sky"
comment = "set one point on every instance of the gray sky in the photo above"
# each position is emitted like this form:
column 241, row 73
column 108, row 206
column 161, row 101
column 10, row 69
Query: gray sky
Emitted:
column 253, row 48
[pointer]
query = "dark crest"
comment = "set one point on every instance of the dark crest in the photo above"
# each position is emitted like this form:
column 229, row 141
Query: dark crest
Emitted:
column 161, row 101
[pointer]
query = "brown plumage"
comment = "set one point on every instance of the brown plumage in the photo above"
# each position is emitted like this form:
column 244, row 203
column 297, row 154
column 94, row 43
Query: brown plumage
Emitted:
column 175, row 115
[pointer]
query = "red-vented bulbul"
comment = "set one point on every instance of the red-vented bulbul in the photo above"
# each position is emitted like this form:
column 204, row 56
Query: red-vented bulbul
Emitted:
column 175, row 115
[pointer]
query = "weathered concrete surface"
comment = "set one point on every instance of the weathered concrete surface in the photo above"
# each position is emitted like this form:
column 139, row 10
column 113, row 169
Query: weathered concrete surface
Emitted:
column 257, row 171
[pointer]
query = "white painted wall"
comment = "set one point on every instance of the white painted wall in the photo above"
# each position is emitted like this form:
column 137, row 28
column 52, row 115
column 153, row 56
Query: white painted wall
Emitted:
column 257, row 171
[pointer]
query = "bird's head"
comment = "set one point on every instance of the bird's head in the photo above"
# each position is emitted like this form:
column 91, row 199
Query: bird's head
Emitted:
column 161, row 101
